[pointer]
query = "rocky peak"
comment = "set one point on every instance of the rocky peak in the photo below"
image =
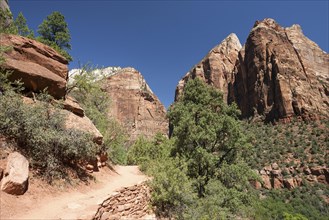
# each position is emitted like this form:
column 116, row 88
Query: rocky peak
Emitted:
column 99, row 73
column 278, row 73
column 216, row 67
column 134, row 104
column 267, row 23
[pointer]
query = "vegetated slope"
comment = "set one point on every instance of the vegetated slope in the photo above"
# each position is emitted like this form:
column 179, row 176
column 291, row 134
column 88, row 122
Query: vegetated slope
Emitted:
column 292, row 160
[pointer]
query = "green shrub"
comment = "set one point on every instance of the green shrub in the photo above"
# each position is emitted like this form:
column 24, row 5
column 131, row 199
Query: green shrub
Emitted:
column 172, row 192
column 148, row 153
column 40, row 133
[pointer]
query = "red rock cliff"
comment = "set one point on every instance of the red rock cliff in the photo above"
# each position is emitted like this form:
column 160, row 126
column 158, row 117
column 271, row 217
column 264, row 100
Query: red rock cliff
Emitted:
column 37, row 65
column 278, row 73
column 134, row 105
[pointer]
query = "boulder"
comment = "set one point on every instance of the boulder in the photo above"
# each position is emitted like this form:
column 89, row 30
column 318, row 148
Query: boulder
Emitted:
column 256, row 184
column 16, row 176
column 289, row 183
column 37, row 65
column 73, row 106
column 277, row 183
column 322, row 179
column 134, row 105
column 275, row 166
column 83, row 124
column 266, row 182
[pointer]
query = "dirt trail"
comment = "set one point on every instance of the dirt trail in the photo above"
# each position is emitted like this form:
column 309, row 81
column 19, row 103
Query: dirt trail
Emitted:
column 80, row 204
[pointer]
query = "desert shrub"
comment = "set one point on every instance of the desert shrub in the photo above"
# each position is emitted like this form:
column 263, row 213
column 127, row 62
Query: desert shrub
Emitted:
column 148, row 153
column 172, row 191
column 40, row 134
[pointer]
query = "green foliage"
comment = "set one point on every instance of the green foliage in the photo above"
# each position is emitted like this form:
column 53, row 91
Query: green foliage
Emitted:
column 305, row 202
column 139, row 152
column 288, row 216
column 55, row 33
column 6, row 24
column 207, row 131
column 22, row 27
column 87, row 89
column 297, row 140
column 40, row 133
column 199, row 172
column 172, row 192
column 220, row 203
column 147, row 152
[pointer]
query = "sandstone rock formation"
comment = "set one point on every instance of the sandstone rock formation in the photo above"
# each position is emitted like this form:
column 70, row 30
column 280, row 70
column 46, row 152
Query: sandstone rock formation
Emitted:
column 216, row 67
column 73, row 106
column 278, row 73
column 15, row 180
column 134, row 105
column 273, row 177
column 84, row 124
column 37, row 65
column 277, row 77
column 127, row 203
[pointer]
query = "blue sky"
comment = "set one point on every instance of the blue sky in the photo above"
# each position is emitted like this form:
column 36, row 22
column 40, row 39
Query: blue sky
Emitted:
column 164, row 39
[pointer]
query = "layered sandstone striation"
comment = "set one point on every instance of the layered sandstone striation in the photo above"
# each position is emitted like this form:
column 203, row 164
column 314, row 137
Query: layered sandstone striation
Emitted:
column 38, row 66
column 278, row 73
column 134, row 105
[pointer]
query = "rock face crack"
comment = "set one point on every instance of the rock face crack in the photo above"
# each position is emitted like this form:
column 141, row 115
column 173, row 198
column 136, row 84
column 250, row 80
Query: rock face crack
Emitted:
column 298, row 56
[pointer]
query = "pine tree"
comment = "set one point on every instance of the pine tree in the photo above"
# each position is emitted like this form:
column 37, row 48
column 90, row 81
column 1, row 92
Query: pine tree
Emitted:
column 55, row 33
column 22, row 27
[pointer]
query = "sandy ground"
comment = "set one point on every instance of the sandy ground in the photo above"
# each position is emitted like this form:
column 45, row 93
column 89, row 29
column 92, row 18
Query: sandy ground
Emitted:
column 42, row 201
